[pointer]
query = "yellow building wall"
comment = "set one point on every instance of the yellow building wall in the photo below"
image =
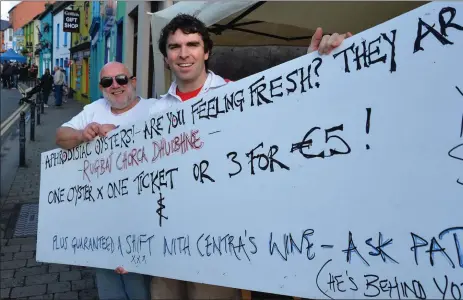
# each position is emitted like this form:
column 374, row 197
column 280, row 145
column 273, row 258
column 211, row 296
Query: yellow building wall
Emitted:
column 29, row 40
column 73, row 76
column 79, row 68
column 85, row 83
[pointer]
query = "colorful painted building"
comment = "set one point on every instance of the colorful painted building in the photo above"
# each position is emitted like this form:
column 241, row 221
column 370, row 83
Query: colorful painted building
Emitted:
column 114, row 31
column 6, row 35
column 23, row 12
column 8, row 38
column 28, row 50
column 96, row 49
column 80, row 53
column 36, row 40
column 31, row 41
column 107, row 42
column 61, row 39
column 46, row 40
column 18, row 40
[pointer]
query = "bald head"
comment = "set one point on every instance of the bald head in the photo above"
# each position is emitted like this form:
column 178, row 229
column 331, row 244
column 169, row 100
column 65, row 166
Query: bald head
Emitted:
column 115, row 67
column 118, row 87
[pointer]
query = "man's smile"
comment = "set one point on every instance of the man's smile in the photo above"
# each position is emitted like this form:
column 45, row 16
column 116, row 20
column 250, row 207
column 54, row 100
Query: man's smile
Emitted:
column 117, row 92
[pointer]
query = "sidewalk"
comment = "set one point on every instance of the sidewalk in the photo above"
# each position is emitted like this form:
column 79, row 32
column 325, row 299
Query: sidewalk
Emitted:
column 21, row 276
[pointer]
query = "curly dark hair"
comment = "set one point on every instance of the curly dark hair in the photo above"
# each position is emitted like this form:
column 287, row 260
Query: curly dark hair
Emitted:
column 187, row 24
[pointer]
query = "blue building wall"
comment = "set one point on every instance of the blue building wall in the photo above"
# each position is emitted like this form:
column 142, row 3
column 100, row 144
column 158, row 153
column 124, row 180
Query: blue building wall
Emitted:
column 113, row 17
column 46, row 41
column 18, row 40
column 106, row 39
column 119, row 53
column 96, row 51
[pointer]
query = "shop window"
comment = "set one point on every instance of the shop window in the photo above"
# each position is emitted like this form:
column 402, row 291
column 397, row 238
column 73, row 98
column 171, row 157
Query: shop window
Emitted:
column 57, row 36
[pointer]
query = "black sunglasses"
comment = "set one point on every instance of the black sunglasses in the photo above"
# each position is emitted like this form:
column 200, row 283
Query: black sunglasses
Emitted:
column 120, row 79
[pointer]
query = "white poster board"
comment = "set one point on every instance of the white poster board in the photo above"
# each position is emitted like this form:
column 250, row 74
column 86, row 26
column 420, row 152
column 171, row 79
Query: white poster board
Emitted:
column 324, row 177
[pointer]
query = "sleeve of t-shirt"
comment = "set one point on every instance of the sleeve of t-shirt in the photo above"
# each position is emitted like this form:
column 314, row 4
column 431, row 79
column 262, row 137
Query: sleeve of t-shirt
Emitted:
column 81, row 120
column 78, row 122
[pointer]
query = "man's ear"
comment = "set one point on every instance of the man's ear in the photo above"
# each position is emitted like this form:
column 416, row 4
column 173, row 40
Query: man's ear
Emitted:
column 166, row 65
column 134, row 81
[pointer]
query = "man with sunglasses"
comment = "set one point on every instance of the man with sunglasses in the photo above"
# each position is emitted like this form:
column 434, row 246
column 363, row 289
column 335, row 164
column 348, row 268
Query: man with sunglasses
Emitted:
column 120, row 105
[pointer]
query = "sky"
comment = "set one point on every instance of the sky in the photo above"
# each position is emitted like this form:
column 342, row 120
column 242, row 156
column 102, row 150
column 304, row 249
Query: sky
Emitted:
column 5, row 7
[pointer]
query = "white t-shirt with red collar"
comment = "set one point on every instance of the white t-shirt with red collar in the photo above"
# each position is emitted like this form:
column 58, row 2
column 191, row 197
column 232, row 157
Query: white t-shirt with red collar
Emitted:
column 213, row 81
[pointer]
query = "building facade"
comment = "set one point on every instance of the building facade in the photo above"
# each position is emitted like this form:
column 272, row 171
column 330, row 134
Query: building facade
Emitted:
column 36, row 40
column 61, row 40
column 46, row 40
column 80, row 54
column 107, row 39
column 6, row 36
column 96, row 50
column 28, row 49
column 25, row 11
column 18, row 40
column 114, row 31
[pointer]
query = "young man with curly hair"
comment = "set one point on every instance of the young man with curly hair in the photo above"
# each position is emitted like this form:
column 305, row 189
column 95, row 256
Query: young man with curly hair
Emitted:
column 186, row 46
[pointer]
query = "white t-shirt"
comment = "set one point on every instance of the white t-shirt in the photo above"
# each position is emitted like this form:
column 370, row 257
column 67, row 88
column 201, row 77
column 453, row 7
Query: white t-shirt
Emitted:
column 99, row 111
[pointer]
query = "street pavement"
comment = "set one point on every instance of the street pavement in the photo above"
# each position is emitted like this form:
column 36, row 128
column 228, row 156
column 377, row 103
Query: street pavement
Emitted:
column 9, row 102
column 9, row 144
column 22, row 277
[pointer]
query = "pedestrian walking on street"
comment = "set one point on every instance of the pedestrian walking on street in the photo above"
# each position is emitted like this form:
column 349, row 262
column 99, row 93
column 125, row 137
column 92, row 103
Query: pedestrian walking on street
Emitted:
column 6, row 75
column 15, row 75
column 65, row 90
column 23, row 73
column 58, row 80
column 47, row 86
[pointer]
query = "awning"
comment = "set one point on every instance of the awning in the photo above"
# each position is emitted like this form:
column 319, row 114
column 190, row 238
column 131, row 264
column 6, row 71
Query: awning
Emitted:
column 10, row 54
column 288, row 23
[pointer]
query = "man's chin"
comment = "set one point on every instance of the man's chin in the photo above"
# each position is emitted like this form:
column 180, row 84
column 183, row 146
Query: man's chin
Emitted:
column 119, row 104
column 185, row 77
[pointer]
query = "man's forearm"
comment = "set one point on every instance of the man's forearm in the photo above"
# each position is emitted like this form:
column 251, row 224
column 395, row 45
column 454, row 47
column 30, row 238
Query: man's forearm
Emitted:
column 68, row 138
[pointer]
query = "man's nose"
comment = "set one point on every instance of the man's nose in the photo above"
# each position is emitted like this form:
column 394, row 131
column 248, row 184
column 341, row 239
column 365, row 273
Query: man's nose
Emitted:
column 115, row 85
column 184, row 52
